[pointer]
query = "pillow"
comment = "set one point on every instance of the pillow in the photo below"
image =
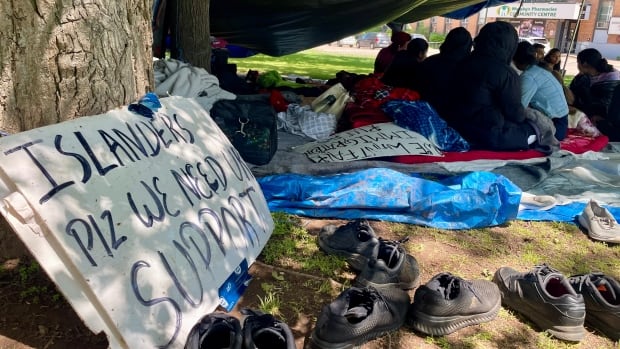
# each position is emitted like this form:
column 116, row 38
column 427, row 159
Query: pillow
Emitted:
column 419, row 116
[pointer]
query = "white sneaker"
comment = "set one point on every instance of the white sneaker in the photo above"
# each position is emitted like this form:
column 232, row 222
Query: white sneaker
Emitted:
column 536, row 202
column 599, row 222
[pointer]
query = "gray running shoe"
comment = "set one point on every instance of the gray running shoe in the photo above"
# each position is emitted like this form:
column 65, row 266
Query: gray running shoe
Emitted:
column 358, row 315
column 544, row 296
column 600, row 223
column 602, row 296
column 390, row 266
column 355, row 241
column 448, row 303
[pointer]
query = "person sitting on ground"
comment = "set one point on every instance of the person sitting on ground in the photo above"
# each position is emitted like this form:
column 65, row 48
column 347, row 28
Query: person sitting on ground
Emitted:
column 484, row 97
column 403, row 70
column 553, row 63
column 594, row 87
column 540, row 89
column 540, row 51
column 437, row 70
column 386, row 54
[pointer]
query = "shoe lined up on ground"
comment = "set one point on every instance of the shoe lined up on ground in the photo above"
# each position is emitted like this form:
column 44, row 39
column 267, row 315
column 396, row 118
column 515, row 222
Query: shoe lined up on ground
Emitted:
column 215, row 330
column 600, row 223
column 355, row 241
column 601, row 294
column 390, row 266
column 224, row 331
column 358, row 315
column 544, row 296
column 448, row 303
column 264, row 331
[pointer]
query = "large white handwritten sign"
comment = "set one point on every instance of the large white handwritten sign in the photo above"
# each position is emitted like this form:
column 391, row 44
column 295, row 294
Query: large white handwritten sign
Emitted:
column 377, row 140
column 137, row 221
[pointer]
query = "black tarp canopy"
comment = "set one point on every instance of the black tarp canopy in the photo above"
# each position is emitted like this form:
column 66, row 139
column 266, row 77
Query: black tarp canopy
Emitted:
column 281, row 27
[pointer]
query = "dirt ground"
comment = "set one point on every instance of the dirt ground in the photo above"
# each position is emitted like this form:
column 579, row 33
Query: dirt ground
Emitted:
column 33, row 316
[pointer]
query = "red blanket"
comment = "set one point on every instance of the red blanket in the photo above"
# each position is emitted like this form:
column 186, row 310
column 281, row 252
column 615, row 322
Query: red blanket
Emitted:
column 574, row 143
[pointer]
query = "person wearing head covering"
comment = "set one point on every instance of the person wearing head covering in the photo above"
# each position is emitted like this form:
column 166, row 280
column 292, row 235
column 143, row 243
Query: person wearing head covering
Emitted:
column 386, row 54
column 403, row 70
column 484, row 101
column 437, row 70
column 540, row 90
column 594, row 88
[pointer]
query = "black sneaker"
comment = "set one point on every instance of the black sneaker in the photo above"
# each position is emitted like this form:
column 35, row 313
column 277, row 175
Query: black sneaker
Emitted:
column 263, row 331
column 544, row 296
column 448, row 303
column 601, row 294
column 217, row 331
column 390, row 266
column 354, row 241
column 358, row 315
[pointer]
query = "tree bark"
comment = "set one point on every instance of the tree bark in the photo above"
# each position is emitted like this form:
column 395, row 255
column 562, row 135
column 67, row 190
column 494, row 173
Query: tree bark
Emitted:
column 63, row 59
column 193, row 34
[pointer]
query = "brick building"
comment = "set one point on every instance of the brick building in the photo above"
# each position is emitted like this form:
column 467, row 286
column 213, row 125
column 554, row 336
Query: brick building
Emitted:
column 596, row 22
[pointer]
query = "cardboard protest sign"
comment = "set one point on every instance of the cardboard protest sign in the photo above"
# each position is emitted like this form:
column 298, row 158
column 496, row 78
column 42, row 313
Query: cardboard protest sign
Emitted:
column 138, row 221
column 371, row 141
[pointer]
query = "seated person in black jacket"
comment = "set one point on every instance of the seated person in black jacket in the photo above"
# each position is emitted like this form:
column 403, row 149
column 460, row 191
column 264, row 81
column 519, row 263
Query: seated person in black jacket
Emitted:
column 403, row 70
column 437, row 71
column 484, row 96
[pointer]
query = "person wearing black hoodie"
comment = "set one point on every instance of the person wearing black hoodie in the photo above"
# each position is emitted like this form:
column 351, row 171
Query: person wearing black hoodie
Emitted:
column 484, row 97
column 437, row 71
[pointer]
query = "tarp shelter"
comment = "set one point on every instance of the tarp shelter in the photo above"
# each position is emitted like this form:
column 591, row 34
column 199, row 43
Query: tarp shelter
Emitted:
column 278, row 28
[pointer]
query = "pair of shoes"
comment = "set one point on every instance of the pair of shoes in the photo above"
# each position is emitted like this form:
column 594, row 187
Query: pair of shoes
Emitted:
column 380, row 263
column 545, row 297
column 223, row 331
column 601, row 294
column 600, row 223
column 358, row 315
column 448, row 303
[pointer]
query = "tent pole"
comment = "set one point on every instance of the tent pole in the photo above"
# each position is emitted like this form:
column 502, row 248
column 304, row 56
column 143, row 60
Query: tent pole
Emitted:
column 572, row 40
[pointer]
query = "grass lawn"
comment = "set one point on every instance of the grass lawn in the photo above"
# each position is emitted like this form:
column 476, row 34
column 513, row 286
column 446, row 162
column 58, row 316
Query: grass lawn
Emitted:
column 314, row 64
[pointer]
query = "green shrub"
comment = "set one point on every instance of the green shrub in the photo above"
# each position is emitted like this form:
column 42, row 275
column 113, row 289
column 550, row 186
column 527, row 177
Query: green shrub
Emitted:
column 437, row 37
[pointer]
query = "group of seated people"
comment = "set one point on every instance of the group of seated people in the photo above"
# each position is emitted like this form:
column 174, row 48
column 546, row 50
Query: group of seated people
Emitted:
column 473, row 85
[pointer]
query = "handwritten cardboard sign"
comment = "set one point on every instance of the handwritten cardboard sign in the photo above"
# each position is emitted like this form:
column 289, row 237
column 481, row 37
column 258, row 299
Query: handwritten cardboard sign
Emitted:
column 138, row 221
column 377, row 140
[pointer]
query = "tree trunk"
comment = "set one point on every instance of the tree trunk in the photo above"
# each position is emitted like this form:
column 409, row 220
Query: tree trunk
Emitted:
column 194, row 38
column 62, row 59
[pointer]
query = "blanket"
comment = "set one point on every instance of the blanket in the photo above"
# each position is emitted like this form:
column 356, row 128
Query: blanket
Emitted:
column 574, row 143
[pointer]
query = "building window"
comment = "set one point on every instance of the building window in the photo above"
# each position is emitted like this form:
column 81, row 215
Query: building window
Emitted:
column 604, row 14
column 464, row 22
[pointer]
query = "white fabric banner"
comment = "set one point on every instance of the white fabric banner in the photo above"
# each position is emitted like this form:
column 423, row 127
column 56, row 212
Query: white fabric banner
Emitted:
column 371, row 141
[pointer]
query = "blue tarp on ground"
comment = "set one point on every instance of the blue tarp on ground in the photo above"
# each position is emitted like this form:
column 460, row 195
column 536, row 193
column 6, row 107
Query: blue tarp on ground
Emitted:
column 473, row 200
column 561, row 213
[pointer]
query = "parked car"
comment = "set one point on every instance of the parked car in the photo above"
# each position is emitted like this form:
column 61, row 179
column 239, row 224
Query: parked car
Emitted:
column 348, row 41
column 373, row 40
column 537, row 40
